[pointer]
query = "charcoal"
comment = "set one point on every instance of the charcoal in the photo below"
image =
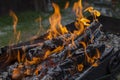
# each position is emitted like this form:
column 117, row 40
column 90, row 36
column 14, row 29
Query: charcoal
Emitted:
column 66, row 66
column 73, row 62
column 87, row 35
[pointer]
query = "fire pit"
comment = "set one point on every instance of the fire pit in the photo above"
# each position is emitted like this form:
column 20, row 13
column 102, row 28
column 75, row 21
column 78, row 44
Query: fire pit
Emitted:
column 87, row 49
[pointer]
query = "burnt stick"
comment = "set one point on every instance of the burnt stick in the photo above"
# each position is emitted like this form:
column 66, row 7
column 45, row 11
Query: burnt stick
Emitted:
column 69, row 64
column 93, row 30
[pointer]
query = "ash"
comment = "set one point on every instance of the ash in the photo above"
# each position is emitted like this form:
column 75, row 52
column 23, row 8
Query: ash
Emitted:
column 25, row 71
column 112, row 40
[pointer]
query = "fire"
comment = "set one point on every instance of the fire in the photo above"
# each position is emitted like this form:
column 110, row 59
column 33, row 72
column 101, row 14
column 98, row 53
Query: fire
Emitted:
column 16, row 73
column 38, row 69
column 80, row 67
column 35, row 60
column 47, row 53
column 91, row 60
column 17, row 34
column 18, row 57
column 67, row 4
column 93, row 12
column 58, row 49
column 15, row 20
column 78, row 9
column 56, row 27
column 81, row 22
column 85, row 21
column 97, row 56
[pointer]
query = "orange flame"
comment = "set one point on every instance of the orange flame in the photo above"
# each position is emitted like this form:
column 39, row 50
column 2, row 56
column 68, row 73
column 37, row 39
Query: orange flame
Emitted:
column 67, row 4
column 81, row 20
column 18, row 57
column 85, row 21
column 15, row 20
column 80, row 67
column 56, row 27
column 16, row 73
column 91, row 60
column 38, row 69
column 93, row 12
column 48, row 52
column 97, row 56
column 35, row 60
column 80, row 28
column 85, row 46
column 78, row 9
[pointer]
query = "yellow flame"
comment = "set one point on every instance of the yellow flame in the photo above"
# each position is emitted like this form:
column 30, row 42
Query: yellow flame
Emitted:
column 56, row 27
column 93, row 12
column 81, row 22
column 90, row 9
column 85, row 21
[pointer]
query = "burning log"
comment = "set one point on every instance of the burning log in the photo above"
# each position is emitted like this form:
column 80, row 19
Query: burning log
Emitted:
column 51, row 44
column 71, row 64
column 64, row 68
column 72, row 52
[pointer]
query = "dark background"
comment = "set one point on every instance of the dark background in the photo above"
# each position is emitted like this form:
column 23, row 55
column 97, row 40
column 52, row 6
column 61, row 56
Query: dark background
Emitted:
column 23, row 5
column 40, row 5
